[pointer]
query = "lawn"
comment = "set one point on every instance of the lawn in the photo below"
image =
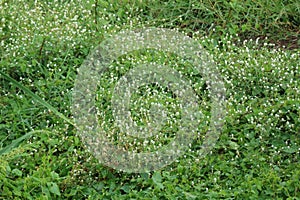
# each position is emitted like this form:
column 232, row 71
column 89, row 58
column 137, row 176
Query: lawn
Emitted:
column 254, row 46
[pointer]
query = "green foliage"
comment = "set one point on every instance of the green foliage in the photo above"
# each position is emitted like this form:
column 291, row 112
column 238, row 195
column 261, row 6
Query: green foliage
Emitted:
column 247, row 18
column 43, row 43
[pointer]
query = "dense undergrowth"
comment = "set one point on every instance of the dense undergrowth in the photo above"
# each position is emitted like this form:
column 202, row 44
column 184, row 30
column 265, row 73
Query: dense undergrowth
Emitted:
column 257, row 155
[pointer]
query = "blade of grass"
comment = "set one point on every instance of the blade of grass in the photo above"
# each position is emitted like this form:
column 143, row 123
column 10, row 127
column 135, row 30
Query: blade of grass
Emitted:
column 36, row 97
column 14, row 143
column 17, row 141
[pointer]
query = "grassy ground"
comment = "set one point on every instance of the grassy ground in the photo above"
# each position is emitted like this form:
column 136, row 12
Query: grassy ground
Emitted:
column 257, row 155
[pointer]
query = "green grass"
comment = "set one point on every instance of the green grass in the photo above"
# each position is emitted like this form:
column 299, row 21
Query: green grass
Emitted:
column 43, row 44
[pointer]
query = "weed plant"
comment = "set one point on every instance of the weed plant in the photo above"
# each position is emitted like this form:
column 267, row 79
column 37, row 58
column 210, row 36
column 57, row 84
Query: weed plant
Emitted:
column 42, row 44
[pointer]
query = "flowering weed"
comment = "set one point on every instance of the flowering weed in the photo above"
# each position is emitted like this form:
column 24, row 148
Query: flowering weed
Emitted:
column 42, row 44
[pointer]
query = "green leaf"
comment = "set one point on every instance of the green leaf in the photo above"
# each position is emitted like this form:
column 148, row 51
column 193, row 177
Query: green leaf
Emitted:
column 233, row 145
column 54, row 175
column 156, row 177
column 16, row 172
column 125, row 188
column 14, row 143
column 53, row 188
column 290, row 150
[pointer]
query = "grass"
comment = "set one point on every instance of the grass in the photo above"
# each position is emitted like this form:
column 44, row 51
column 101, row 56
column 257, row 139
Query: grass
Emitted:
column 43, row 44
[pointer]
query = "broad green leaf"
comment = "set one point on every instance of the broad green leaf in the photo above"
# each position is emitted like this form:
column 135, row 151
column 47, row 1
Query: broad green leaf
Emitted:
column 53, row 188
